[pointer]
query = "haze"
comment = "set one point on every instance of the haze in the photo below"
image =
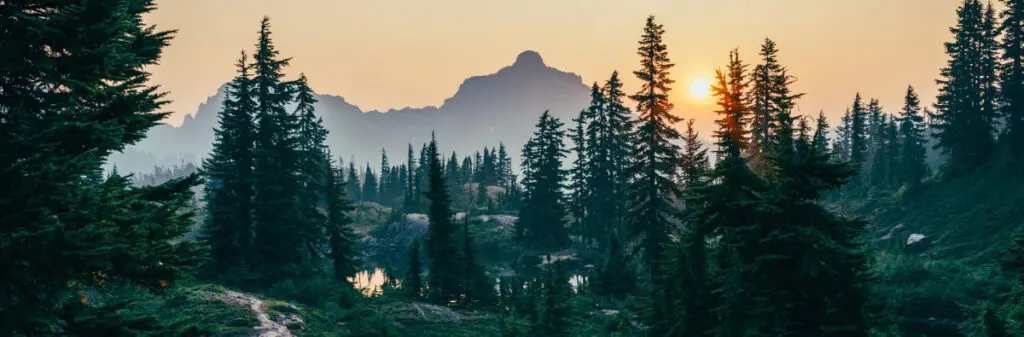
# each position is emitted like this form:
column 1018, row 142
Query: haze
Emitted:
column 391, row 54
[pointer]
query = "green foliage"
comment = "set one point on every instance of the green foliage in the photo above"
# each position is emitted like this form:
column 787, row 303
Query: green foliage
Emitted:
column 445, row 271
column 542, row 218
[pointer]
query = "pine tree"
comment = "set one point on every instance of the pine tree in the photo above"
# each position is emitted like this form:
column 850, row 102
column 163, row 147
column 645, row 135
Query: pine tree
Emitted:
column 542, row 218
column 580, row 194
column 384, row 183
column 445, row 268
column 228, row 171
column 654, row 158
column 75, row 88
column 615, row 277
column 370, row 185
column 413, row 280
column 504, row 163
column 965, row 117
column 453, row 175
column 912, row 167
column 764, row 93
column 1012, row 80
column 858, row 138
column 344, row 257
column 820, row 139
column 352, row 186
column 276, row 217
column 727, row 206
column 608, row 147
column 477, row 286
column 554, row 320
column 841, row 142
column 693, row 160
column 312, row 169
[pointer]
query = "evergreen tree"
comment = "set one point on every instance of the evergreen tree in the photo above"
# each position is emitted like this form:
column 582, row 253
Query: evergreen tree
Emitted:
column 841, row 142
column 554, row 320
column 608, row 148
column 74, row 89
column 477, row 287
column 384, row 183
column 352, row 186
column 912, row 166
column 504, row 163
column 615, row 277
column 312, row 169
column 1012, row 79
column 654, row 159
column 580, row 192
column 542, row 218
column 858, row 137
column 965, row 117
column 412, row 180
column 764, row 94
column 344, row 257
column 693, row 160
column 276, row 217
column 228, row 171
column 820, row 139
column 445, row 268
column 413, row 282
column 453, row 175
column 370, row 185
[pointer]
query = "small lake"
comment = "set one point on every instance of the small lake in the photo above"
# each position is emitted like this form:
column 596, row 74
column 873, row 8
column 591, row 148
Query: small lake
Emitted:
column 370, row 282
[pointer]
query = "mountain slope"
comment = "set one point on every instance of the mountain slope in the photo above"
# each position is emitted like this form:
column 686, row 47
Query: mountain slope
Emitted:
column 485, row 110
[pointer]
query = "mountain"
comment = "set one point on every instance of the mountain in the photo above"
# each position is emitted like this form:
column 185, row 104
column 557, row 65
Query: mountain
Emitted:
column 500, row 107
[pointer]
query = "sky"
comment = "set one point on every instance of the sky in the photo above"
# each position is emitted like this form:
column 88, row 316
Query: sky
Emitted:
column 386, row 54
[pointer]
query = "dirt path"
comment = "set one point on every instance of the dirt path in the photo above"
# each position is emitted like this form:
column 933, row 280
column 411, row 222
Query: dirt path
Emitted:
column 267, row 327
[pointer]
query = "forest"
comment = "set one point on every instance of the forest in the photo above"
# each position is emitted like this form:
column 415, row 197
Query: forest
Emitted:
column 623, row 221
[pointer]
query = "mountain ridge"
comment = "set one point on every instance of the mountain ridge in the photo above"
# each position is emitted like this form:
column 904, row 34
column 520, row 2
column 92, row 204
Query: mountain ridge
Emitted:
column 485, row 109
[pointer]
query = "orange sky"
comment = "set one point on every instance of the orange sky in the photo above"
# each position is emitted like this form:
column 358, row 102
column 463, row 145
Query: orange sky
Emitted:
column 386, row 54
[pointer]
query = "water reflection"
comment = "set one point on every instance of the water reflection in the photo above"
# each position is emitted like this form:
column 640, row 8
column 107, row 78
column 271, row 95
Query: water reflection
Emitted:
column 369, row 282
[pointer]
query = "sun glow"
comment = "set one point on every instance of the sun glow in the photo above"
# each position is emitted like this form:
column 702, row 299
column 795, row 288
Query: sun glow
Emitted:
column 700, row 88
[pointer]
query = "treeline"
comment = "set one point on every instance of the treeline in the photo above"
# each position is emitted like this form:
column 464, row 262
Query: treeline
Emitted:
column 402, row 186
column 161, row 175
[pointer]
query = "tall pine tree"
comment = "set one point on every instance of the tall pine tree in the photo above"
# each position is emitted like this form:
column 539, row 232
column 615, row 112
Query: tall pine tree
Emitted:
column 445, row 272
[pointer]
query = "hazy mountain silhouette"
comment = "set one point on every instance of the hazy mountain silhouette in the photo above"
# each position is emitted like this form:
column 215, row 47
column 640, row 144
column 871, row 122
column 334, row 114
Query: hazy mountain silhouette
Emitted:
column 485, row 110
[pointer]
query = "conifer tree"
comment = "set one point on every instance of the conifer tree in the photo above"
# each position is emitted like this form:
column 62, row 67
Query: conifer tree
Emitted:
column 344, row 257
column 276, row 217
column 580, row 192
column 542, row 218
column 370, row 185
column 453, row 175
column 413, row 280
column 445, row 272
column 615, row 277
column 228, row 171
column 352, row 186
column 763, row 94
column 693, row 160
column 74, row 89
column 964, row 119
column 654, row 159
column 608, row 142
column 312, row 169
column 412, row 180
column 384, row 182
column 555, row 307
column 504, row 163
column 841, row 142
column 477, row 287
column 1012, row 79
column 912, row 167
column 820, row 140
column 858, row 137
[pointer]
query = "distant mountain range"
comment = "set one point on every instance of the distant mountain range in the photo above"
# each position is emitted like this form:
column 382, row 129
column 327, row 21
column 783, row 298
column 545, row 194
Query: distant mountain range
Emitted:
column 500, row 107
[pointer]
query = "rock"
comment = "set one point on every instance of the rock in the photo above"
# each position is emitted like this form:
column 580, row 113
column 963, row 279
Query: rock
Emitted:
column 292, row 321
column 268, row 327
column 915, row 238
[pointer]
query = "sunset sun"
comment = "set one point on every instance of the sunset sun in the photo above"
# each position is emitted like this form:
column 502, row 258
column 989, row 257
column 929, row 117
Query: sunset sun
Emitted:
column 700, row 88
